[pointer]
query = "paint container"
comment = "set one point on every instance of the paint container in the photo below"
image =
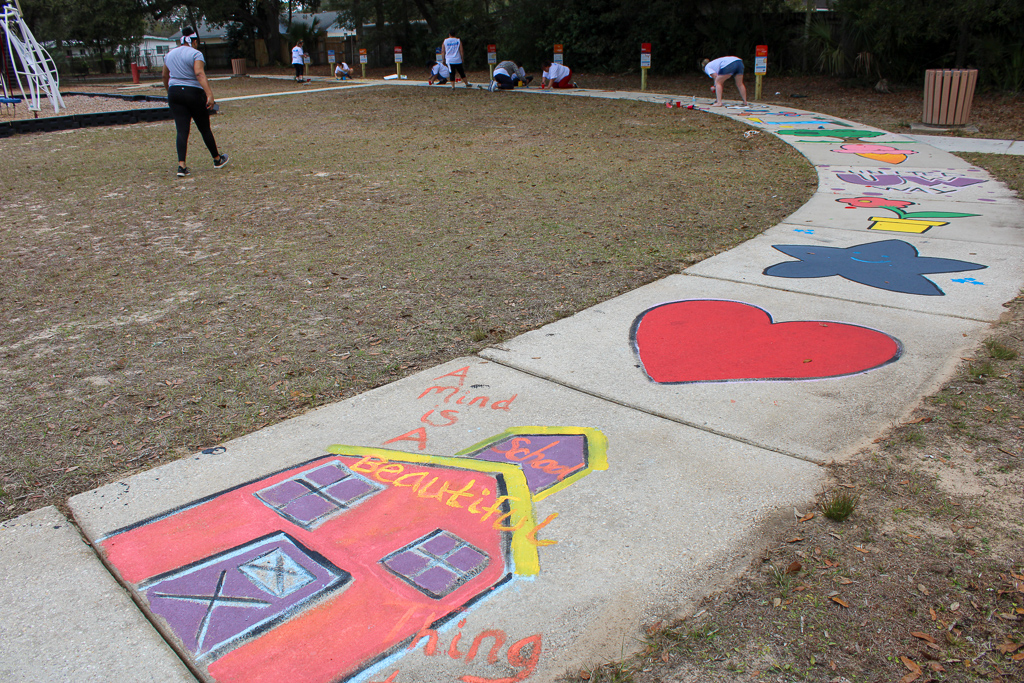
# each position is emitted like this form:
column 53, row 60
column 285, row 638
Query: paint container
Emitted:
column 678, row 104
column 668, row 105
column 689, row 106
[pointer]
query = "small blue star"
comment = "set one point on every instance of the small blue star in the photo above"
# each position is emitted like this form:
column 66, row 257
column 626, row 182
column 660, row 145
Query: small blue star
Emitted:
column 893, row 265
column 968, row 281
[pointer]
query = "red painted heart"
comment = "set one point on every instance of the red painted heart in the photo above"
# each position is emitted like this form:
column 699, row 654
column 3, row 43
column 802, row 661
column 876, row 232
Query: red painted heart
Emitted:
column 717, row 341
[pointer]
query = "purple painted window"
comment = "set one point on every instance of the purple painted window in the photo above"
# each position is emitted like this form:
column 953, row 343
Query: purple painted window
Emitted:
column 214, row 605
column 437, row 563
column 311, row 498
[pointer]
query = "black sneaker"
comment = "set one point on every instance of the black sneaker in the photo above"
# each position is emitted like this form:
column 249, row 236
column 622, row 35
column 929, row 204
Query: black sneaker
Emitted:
column 183, row 171
column 222, row 162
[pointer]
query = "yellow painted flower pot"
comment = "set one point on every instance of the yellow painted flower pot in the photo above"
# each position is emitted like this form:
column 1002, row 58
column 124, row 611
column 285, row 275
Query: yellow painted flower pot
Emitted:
column 893, row 224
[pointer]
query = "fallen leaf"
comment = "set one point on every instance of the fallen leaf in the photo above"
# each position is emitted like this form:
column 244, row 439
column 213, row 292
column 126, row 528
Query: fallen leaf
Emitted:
column 778, row 602
column 1018, row 657
column 931, row 611
column 794, row 540
column 1008, row 646
column 843, row 580
column 910, row 664
column 911, row 677
column 794, row 567
column 806, row 518
column 788, row 602
column 840, row 601
column 800, row 588
column 830, row 563
column 817, row 551
column 861, row 550
column 903, row 483
column 912, row 535
column 953, row 607
column 989, row 409
column 923, row 636
column 664, row 656
column 936, row 667
column 924, row 590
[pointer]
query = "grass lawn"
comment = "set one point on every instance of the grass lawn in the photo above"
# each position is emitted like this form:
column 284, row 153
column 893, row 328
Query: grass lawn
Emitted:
column 356, row 237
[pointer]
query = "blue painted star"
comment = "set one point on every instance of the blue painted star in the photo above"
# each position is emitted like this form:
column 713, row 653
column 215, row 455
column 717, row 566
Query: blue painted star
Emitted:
column 891, row 264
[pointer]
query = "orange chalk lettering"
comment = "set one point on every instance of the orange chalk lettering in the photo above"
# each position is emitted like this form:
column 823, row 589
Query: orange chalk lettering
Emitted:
column 492, row 656
column 393, row 468
column 453, row 500
column 368, row 464
column 448, row 415
column 411, row 475
column 516, row 660
column 418, row 435
column 461, row 373
column 503, row 405
column 532, row 536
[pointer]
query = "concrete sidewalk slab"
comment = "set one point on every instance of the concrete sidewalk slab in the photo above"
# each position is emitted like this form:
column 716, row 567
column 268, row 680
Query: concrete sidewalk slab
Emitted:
column 970, row 184
column 939, row 217
column 978, row 145
column 63, row 618
column 913, row 272
column 888, row 155
column 702, row 356
column 673, row 513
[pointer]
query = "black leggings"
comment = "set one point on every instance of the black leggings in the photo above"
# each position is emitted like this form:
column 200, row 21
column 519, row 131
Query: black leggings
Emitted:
column 189, row 104
column 505, row 82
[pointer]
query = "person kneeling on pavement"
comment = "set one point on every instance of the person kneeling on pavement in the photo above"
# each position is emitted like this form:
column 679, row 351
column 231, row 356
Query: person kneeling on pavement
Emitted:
column 511, row 74
column 557, row 76
column 439, row 73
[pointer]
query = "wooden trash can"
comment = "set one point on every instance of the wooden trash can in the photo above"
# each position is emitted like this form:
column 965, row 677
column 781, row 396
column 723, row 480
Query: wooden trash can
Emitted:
column 238, row 67
column 948, row 95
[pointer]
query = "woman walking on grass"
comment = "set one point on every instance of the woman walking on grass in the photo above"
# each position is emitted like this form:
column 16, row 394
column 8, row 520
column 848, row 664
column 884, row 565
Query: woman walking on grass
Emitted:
column 190, row 98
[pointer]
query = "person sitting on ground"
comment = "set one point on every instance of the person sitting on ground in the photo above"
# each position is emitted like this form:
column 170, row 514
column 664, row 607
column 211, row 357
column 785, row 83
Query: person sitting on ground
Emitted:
column 439, row 73
column 556, row 76
column 720, row 70
column 342, row 71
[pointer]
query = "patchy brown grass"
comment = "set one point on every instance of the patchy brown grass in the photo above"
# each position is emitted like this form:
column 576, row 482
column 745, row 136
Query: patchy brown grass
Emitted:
column 355, row 238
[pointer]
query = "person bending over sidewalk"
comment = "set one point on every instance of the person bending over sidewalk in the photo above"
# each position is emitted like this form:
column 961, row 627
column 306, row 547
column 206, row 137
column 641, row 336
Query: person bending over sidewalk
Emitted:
column 720, row 70
column 557, row 76
column 190, row 98
column 439, row 73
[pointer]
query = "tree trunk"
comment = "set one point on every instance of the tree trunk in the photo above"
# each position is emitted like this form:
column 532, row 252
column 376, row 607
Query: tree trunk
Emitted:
column 267, row 27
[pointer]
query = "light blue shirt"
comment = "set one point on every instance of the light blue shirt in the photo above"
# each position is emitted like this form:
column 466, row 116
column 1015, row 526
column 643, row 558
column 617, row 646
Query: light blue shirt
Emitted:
column 181, row 63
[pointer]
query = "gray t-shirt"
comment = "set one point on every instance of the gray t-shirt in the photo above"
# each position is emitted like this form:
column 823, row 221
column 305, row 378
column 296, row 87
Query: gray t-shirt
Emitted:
column 181, row 63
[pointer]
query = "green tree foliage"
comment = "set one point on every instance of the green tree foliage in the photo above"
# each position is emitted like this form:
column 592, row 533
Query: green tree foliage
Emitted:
column 103, row 25
column 905, row 37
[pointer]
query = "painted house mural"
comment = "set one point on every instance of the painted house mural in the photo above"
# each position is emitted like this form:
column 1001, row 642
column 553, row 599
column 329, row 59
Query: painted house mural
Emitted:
column 335, row 565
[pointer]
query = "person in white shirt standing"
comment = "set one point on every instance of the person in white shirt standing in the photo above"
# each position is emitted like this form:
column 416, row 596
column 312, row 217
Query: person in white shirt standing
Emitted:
column 454, row 57
column 298, row 62
column 720, row 70
column 556, row 76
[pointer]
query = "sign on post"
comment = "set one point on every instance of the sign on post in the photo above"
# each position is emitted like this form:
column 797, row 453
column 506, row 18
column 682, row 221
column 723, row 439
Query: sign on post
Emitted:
column 558, row 54
column 760, row 68
column 398, row 60
column 492, row 58
column 645, row 63
column 330, row 56
column 362, row 60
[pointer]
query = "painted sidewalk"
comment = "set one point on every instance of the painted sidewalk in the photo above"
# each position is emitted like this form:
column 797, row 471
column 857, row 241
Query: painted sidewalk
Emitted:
column 522, row 513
